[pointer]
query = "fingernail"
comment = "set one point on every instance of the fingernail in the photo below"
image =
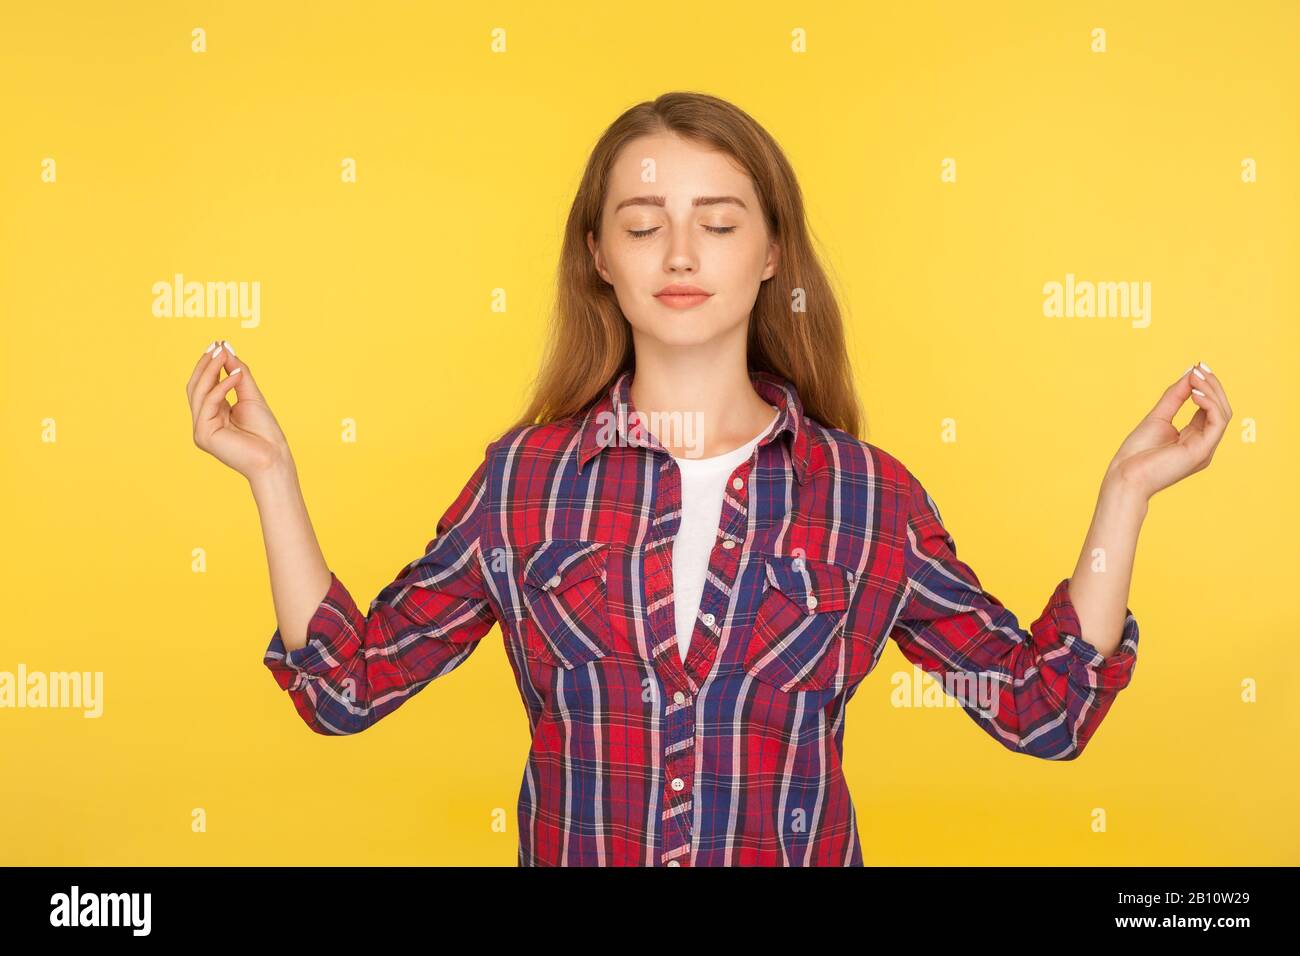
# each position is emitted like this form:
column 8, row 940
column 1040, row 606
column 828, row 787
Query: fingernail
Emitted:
column 227, row 345
column 1206, row 367
column 234, row 373
column 1186, row 370
column 211, row 346
column 1197, row 391
column 1197, row 371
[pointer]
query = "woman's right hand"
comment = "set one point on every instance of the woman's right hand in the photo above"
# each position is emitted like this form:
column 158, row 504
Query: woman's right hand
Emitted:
column 245, row 435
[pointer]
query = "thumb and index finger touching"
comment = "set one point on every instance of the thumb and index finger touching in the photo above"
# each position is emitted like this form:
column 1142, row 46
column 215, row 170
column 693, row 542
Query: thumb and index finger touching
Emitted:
column 1204, row 430
column 206, row 387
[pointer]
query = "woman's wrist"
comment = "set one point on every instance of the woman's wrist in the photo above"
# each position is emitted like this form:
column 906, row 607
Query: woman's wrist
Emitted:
column 1119, row 494
column 277, row 479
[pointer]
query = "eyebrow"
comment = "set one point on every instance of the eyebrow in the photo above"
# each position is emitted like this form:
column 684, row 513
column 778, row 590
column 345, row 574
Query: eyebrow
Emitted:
column 697, row 201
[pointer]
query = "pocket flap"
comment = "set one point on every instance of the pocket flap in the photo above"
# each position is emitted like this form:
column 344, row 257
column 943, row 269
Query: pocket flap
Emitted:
column 814, row 586
column 555, row 565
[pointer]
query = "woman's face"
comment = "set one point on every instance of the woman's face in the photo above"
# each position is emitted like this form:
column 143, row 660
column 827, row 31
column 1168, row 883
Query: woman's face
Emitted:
column 681, row 214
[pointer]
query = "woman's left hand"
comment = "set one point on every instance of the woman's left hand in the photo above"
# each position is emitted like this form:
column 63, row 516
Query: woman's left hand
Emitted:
column 1156, row 454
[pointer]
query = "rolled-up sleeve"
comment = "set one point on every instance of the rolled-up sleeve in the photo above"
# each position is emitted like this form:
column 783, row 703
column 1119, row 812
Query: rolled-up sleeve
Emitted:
column 356, row 668
column 1041, row 691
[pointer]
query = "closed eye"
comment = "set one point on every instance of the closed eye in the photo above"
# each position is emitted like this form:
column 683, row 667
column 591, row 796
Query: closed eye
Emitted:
column 642, row 233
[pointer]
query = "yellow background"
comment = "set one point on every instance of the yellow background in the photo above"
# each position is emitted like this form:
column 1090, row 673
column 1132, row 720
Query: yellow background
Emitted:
column 225, row 165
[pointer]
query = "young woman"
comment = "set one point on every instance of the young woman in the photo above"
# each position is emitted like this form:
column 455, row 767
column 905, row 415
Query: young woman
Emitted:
column 693, row 557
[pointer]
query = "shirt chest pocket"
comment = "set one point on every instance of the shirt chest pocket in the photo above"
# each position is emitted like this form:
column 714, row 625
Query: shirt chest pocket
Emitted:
column 798, row 638
column 566, row 612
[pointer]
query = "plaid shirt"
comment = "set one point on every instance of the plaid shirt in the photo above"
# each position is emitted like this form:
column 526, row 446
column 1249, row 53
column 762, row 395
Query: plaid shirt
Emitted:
column 826, row 547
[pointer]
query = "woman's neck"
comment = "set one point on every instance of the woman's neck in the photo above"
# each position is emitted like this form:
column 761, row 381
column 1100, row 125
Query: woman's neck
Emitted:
column 697, row 401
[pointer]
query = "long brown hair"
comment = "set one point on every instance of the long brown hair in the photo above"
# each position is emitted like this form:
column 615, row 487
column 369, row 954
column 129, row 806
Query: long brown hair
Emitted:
column 590, row 343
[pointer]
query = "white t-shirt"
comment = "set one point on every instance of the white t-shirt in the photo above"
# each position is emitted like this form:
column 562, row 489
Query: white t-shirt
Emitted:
column 704, row 481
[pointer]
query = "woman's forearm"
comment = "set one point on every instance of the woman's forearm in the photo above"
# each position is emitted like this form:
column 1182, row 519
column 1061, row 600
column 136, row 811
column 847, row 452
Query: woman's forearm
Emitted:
column 1099, row 587
column 300, row 578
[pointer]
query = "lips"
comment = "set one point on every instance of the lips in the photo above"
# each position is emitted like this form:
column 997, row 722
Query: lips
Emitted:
column 681, row 296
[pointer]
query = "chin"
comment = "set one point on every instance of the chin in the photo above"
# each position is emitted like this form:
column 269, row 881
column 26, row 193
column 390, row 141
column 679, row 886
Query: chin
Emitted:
column 680, row 328
column 683, row 333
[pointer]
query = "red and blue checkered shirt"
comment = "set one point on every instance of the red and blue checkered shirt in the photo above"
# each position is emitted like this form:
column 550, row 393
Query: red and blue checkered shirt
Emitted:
column 826, row 547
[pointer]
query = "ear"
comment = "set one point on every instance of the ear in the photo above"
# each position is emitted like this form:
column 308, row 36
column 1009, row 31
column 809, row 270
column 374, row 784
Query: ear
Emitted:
column 773, row 260
column 596, row 257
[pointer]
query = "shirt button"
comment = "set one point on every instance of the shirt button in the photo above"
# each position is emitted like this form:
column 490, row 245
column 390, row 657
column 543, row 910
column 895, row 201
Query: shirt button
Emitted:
column 678, row 783
column 553, row 582
column 812, row 602
column 738, row 483
column 673, row 863
column 679, row 698
column 728, row 545
column 708, row 620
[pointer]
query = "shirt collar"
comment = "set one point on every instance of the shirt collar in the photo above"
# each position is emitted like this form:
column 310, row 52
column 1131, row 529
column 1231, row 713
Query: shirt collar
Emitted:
column 610, row 421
